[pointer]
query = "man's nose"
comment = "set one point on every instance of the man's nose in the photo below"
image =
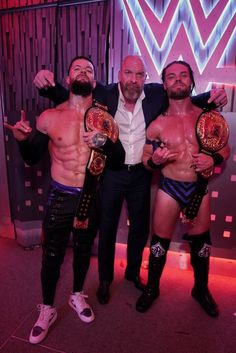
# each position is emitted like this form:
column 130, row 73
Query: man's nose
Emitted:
column 133, row 77
column 178, row 79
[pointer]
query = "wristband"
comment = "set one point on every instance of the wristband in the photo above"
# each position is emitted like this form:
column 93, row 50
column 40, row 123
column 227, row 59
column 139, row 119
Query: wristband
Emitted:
column 151, row 164
column 217, row 158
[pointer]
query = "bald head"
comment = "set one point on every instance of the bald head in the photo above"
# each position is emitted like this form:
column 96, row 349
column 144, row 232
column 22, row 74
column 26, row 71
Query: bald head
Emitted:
column 133, row 60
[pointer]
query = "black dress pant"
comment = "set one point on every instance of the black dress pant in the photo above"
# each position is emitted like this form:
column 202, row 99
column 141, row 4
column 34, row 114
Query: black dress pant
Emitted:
column 133, row 186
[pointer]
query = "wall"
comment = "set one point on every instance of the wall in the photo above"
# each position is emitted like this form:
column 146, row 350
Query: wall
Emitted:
column 6, row 225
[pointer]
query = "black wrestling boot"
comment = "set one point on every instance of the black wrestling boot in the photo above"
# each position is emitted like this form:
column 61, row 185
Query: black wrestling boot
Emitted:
column 200, row 246
column 157, row 259
column 103, row 294
column 206, row 301
column 145, row 301
column 136, row 281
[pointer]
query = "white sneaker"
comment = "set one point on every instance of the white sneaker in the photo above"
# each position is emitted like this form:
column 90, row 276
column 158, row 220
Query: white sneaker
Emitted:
column 47, row 317
column 78, row 303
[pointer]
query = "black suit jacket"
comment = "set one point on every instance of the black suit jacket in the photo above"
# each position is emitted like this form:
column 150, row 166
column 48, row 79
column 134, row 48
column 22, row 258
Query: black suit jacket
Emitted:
column 155, row 100
column 59, row 94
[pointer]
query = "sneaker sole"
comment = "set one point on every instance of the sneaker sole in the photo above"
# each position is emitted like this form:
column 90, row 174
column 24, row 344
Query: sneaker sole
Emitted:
column 83, row 318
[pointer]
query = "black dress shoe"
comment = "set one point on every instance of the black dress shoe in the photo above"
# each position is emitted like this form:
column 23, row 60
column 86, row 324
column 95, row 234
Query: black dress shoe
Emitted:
column 103, row 294
column 206, row 301
column 145, row 301
column 136, row 281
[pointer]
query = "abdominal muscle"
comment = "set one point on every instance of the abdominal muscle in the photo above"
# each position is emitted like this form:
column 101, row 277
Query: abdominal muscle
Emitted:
column 182, row 168
column 68, row 164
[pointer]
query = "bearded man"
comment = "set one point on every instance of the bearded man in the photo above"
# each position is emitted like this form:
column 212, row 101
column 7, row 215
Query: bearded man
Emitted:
column 172, row 146
column 62, row 128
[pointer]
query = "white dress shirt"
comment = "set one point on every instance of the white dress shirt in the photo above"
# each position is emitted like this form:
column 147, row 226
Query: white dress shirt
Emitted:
column 132, row 129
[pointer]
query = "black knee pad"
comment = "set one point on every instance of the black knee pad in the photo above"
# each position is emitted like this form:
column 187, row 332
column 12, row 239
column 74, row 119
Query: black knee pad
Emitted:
column 204, row 237
column 159, row 246
column 200, row 244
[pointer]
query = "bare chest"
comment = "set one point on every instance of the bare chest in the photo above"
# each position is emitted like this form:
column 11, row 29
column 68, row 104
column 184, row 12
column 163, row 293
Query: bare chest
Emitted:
column 178, row 130
column 66, row 130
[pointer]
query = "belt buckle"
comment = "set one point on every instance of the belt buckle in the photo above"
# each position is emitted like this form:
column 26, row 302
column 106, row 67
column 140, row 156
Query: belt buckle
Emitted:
column 130, row 167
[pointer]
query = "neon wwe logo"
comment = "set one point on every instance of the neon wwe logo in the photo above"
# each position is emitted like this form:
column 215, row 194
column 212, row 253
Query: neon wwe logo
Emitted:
column 203, row 33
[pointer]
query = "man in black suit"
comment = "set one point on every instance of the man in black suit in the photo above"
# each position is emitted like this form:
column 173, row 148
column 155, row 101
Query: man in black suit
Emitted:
column 134, row 105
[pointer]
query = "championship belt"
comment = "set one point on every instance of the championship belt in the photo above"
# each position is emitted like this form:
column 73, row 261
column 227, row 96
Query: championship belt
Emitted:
column 96, row 119
column 212, row 134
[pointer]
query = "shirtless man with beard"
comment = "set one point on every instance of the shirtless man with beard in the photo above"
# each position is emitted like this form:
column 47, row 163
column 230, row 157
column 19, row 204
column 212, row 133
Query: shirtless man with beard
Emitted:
column 69, row 146
column 180, row 163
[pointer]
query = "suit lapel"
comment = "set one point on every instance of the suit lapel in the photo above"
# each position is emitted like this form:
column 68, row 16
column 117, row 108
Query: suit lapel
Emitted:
column 113, row 98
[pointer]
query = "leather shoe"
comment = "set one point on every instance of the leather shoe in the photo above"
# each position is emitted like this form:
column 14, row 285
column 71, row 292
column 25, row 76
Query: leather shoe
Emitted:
column 145, row 301
column 206, row 301
column 103, row 294
column 136, row 281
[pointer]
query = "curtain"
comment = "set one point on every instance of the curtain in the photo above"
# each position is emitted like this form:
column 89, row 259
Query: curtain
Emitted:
column 33, row 38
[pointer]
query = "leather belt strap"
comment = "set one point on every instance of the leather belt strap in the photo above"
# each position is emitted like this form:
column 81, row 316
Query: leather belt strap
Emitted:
column 94, row 169
column 212, row 133
column 191, row 210
column 96, row 119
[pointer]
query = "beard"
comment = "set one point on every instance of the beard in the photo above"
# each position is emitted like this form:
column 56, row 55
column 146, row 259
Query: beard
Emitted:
column 180, row 93
column 81, row 88
column 131, row 91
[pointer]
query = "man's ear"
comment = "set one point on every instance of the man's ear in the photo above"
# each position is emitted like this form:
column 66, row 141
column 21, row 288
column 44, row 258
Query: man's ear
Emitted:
column 94, row 84
column 67, row 80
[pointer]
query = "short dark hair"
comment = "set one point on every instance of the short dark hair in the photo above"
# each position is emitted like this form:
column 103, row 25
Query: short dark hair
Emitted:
column 80, row 57
column 163, row 74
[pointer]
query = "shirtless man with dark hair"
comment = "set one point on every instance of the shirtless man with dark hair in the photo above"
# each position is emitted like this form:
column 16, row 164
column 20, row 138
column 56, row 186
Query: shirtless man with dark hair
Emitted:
column 62, row 129
column 180, row 162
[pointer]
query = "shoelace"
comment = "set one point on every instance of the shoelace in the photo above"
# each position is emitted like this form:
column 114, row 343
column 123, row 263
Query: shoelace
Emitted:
column 42, row 311
column 81, row 294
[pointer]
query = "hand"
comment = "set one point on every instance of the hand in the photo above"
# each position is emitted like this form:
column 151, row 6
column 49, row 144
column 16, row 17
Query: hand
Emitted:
column 219, row 97
column 202, row 162
column 21, row 130
column 163, row 154
column 94, row 139
column 44, row 79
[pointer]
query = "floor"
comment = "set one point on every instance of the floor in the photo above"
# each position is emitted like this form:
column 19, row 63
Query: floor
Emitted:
column 175, row 323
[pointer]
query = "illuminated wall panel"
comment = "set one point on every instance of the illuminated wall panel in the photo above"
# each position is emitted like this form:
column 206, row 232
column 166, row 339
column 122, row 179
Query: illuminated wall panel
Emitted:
column 200, row 32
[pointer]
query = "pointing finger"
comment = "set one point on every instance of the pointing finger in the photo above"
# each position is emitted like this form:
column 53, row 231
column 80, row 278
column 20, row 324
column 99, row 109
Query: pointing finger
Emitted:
column 22, row 115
